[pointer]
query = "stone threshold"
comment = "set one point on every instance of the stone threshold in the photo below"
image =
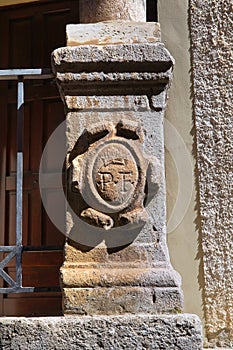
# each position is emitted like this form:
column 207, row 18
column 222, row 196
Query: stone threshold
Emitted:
column 182, row 331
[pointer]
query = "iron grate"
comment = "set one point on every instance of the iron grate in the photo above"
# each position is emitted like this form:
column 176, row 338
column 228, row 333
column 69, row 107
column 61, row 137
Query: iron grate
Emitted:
column 15, row 286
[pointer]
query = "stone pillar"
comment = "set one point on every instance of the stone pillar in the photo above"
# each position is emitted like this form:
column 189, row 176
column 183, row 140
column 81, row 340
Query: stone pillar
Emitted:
column 115, row 97
column 104, row 10
column 113, row 79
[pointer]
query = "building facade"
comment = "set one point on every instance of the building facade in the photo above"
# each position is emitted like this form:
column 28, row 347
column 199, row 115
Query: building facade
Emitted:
column 198, row 140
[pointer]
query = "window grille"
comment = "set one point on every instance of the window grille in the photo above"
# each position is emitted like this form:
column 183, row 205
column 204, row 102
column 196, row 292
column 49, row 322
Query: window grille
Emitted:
column 15, row 286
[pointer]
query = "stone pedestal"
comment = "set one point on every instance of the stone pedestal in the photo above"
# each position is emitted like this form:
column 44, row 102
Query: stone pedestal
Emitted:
column 114, row 80
column 115, row 98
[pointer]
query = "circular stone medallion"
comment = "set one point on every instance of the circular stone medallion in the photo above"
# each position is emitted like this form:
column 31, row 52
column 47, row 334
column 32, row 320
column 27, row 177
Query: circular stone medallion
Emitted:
column 115, row 174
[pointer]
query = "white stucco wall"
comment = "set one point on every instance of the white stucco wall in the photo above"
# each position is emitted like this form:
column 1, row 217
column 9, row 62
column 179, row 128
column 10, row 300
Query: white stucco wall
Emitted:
column 183, row 241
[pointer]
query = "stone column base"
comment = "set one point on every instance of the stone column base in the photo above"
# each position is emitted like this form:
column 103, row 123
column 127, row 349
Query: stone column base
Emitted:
column 158, row 332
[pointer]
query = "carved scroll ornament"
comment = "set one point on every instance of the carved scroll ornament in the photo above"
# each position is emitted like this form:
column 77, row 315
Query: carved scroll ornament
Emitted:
column 109, row 176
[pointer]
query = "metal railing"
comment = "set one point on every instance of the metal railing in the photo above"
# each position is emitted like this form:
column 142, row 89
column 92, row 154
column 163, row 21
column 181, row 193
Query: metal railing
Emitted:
column 20, row 75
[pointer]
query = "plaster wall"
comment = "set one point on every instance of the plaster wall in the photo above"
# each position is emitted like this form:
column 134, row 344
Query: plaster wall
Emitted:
column 211, row 27
column 183, row 236
column 201, row 244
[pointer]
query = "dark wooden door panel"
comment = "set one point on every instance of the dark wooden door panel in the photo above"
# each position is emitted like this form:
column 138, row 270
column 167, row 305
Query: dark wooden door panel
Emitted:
column 35, row 30
column 33, row 305
column 29, row 33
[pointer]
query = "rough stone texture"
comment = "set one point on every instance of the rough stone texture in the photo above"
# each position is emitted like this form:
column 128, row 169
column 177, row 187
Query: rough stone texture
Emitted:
column 114, row 276
column 119, row 299
column 211, row 35
column 132, row 67
column 116, row 32
column 70, row 59
column 83, row 103
column 180, row 332
column 91, row 11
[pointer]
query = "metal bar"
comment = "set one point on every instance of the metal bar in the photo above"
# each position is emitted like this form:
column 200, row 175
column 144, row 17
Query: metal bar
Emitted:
column 7, row 278
column 19, row 268
column 8, row 258
column 19, row 183
column 19, row 180
column 5, row 249
column 20, row 114
column 30, row 290
column 17, row 290
column 37, row 73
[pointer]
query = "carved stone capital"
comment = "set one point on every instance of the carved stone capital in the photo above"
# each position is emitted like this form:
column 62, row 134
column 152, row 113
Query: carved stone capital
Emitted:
column 113, row 69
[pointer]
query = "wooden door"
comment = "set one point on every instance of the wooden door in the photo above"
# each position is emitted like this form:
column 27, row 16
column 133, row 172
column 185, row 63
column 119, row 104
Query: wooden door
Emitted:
column 29, row 33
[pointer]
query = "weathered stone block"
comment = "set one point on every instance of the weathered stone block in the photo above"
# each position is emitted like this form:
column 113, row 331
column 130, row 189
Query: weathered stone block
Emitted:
column 147, row 57
column 116, row 274
column 155, row 332
column 121, row 300
column 115, row 32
